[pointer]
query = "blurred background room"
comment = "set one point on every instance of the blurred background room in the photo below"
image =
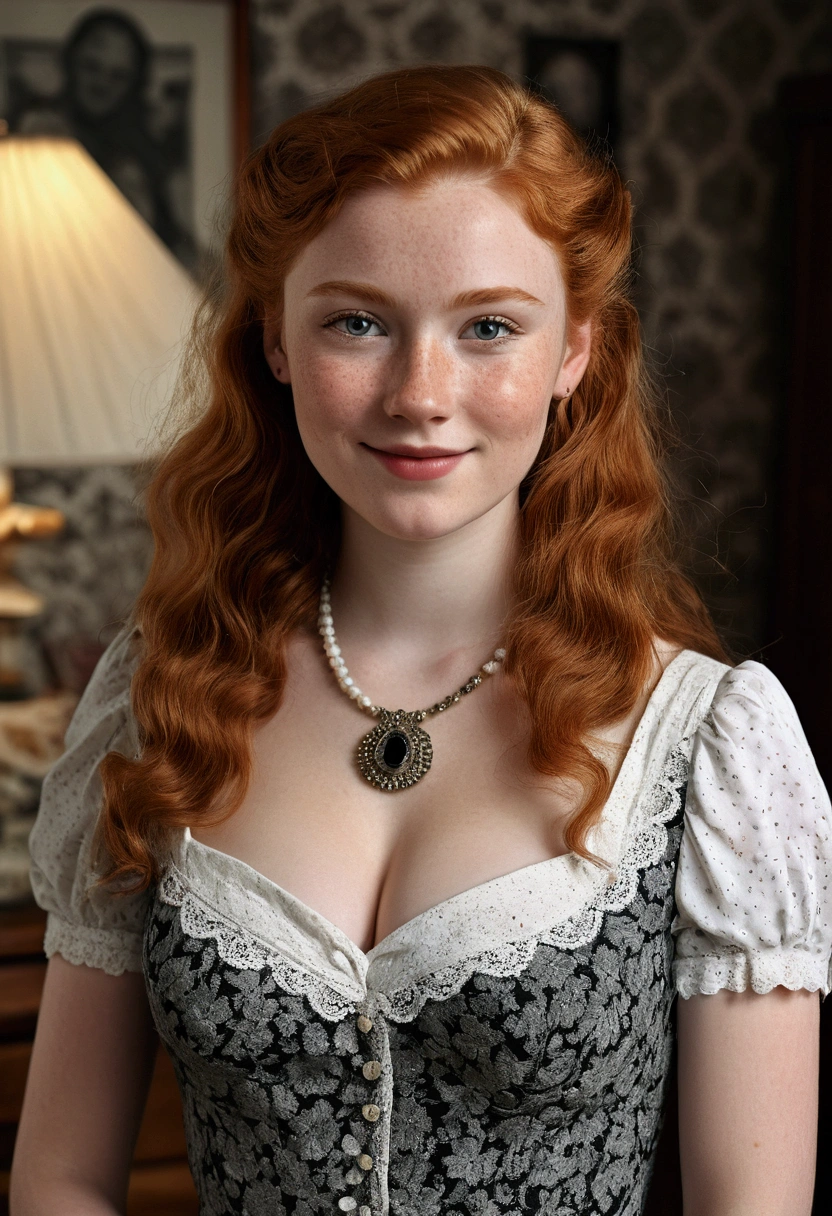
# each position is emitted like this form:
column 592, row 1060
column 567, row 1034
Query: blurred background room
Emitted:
column 719, row 116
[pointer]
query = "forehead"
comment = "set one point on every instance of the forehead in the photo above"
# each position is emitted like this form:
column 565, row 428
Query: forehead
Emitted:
column 450, row 236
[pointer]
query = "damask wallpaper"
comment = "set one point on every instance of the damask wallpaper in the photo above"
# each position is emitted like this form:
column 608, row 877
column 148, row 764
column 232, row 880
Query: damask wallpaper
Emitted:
column 700, row 148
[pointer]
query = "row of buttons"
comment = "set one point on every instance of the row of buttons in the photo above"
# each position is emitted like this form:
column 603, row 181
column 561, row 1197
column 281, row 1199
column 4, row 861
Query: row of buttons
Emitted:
column 348, row 1204
column 371, row 1070
column 353, row 1149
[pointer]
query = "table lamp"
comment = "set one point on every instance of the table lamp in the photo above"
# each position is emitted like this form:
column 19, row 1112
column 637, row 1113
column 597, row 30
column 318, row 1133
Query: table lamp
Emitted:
column 93, row 310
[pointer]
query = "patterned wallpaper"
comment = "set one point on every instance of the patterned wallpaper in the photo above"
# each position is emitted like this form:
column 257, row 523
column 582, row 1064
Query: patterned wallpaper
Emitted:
column 700, row 148
column 92, row 572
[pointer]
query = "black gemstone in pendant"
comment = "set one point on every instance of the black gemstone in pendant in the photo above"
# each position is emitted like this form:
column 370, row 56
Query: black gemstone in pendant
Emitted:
column 396, row 750
column 396, row 753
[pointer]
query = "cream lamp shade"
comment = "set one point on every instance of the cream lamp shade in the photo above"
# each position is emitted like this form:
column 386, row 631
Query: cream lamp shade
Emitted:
column 93, row 310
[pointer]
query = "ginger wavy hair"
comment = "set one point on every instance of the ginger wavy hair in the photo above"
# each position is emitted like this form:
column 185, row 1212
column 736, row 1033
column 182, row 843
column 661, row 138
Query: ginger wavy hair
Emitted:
column 244, row 525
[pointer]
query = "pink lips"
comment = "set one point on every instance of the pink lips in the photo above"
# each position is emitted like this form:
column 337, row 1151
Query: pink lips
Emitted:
column 417, row 464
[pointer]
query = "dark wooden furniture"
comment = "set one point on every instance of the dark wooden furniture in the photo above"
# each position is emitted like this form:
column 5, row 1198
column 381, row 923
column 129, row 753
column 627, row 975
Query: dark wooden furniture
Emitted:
column 802, row 655
column 802, row 599
column 160, row 1182
column 665, row 1195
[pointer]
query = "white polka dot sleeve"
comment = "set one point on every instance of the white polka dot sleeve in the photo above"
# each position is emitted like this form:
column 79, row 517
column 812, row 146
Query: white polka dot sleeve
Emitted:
column 754, row 885
column 87, row 925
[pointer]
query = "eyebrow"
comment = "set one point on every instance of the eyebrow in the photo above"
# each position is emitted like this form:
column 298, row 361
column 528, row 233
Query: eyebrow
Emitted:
column 344, row 287
column 465, row 299
column 492, row 295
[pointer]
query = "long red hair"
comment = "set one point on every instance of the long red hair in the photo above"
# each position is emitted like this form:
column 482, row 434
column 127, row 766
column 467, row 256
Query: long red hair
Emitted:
column 245, row 527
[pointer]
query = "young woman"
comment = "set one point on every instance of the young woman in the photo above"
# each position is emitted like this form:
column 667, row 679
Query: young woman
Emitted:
column 414, row 950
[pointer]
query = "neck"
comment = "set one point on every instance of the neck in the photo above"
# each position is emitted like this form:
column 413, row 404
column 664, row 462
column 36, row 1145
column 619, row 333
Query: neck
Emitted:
column 426, row 597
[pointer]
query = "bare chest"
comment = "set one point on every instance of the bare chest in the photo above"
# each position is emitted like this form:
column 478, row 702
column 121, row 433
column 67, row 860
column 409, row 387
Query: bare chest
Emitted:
column 370, row 860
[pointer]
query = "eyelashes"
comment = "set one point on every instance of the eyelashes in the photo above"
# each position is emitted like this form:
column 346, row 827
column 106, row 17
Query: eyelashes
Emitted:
column 503, row 322
column 358, row 324
column 363, row 317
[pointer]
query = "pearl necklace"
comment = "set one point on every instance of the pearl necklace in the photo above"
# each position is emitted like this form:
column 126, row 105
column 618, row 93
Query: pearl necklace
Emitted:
column 398, row 752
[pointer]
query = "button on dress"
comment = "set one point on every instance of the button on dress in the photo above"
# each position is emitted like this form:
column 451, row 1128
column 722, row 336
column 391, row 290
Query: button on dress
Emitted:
column 505, row 1051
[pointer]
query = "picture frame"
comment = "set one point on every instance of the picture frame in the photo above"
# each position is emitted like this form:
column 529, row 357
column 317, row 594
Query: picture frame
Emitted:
column 580, row 77
column 157, row 91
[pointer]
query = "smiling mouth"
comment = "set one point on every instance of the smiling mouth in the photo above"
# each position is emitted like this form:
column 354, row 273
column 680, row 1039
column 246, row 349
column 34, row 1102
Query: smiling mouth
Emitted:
column 411, row 452
column 412, row 463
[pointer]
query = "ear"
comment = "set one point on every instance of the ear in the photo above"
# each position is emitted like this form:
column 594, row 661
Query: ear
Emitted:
column 575, row 359
column 273, row 350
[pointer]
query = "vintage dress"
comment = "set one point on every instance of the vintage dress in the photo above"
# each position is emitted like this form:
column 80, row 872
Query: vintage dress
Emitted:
column 506, row 1051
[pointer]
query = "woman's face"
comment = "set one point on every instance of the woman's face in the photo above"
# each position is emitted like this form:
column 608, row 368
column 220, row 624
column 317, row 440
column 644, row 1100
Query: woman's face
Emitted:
column 424, row 336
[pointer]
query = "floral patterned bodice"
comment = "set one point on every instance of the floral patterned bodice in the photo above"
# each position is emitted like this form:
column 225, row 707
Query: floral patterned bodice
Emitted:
column 535, row 1085
column 504, row 1052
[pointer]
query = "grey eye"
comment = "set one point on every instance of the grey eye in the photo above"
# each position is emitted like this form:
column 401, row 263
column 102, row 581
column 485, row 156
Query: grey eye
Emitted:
column 357, row 326
column 487, row 329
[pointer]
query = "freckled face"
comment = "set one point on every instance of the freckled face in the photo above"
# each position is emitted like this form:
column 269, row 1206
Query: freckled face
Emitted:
column 424, row 336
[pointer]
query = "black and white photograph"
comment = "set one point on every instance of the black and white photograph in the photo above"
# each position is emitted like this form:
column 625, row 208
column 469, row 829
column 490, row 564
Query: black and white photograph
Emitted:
column 580, row 75
column 128, row 81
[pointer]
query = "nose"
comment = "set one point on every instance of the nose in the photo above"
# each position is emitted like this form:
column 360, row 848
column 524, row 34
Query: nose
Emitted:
column 421, row 383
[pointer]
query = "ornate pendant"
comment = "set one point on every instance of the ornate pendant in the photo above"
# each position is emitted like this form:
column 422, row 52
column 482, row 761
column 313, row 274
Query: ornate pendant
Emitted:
column 396, row 753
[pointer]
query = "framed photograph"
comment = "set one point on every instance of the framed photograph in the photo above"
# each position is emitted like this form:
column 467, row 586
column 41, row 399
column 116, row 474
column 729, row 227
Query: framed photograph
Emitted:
column 580, row 75
column 155, row 90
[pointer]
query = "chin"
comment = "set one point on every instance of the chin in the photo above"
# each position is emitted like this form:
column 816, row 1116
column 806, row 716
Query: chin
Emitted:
column 421, row 524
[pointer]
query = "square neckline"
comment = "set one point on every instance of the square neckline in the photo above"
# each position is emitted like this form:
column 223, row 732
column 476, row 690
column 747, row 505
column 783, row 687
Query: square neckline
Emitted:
column 241, row 870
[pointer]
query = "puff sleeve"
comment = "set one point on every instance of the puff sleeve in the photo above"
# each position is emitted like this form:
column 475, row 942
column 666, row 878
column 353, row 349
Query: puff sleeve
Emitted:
column 754, row 883
column 86, row 925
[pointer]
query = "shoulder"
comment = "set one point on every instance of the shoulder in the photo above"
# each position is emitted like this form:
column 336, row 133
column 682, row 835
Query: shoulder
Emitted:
column 86, row 924
column 752, row 770
column 108, row 692
column 715, row 702
column 752, row 691
column 754, row 884
column 751, row 737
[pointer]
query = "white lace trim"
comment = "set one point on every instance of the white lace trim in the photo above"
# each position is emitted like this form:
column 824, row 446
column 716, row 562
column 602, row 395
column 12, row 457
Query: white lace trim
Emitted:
column 112, row 950
column 245, row 952
column 738, row 970
column 661, row 804
column 242, row 950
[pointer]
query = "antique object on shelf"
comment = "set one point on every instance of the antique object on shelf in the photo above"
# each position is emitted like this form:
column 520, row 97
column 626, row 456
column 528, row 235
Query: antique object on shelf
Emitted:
column 31, row 740
column 17, row 522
